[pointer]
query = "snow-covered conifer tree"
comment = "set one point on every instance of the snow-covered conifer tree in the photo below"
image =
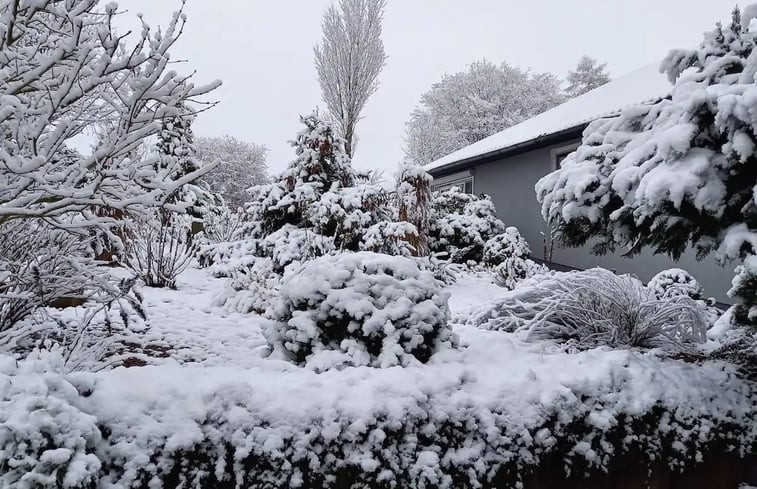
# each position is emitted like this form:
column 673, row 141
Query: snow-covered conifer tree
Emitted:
column 588, row 75
column 675, row 173
column 178, row 158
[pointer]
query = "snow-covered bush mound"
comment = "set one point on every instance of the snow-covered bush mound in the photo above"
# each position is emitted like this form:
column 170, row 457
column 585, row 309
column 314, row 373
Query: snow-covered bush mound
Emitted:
column 390, row 238
column 254, row 283
column 675, row 281
column 461, row 224
column 509, row 244
column 456, row 422
column 45, row 440
column 508, row 253
column 597, row 307
column 514, row 270
column 359, row 309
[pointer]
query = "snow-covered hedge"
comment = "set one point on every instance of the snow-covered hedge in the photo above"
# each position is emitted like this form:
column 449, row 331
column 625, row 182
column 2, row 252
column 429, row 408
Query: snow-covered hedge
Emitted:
column 596, row 307
column 45, row 440
column 456, row 422
column 359, row 309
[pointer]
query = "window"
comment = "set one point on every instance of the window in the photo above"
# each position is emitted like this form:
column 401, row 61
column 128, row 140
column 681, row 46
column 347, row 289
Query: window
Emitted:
column 559, row 157
column 464, row 184
column 559, row 154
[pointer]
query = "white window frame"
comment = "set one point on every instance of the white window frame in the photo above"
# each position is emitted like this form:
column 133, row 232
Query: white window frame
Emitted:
column 560, row 151
column 455, row 180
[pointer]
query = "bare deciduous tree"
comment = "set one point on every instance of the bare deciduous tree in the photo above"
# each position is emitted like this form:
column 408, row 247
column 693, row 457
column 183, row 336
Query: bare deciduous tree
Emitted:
column 349, row 60
column 65, row 72
column 240, row 166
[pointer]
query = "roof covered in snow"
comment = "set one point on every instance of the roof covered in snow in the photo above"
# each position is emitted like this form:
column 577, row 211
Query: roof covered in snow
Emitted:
column 643, row 85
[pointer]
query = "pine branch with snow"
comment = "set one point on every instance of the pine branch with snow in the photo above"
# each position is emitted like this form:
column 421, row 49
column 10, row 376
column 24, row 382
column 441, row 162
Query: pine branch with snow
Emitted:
column 675, row 173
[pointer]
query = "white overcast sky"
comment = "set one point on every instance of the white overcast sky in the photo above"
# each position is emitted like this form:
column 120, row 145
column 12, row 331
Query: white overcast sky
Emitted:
column 263, row 53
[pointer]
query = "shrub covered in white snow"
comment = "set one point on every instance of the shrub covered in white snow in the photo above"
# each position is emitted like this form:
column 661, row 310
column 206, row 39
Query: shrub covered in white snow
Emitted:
column 461, row 225
column 159, row 248
column 505, row 245
column 45, row 440
column 744, row 289
column 514, row 270
column 675, row 281
column 359, row 309
column 508, row 253
column 317, row 206
column 597, row 307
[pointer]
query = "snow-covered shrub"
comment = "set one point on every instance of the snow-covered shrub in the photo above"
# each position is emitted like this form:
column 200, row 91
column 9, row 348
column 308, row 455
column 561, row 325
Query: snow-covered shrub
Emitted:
column 318, row 205
column 675, row 281
column 38, row 265
column 390, row 238
column 462, row 224
column 346, row 213
column 597, row 307
column 291, row 244
column 513, row 270
column 744, row 290
column 359, row 309
column 222, row 226
column 254, row 283
column 321, row 165
column 42, row 266
column 159, row 248
column 509, row 244
column 45, row 440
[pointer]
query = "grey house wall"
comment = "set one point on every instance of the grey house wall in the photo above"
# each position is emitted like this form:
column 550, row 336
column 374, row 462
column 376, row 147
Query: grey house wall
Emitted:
column 510, row 182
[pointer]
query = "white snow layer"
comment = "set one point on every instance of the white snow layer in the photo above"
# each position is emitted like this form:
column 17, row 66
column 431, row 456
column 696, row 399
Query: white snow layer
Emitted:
column 511, row 401
column 643, row 85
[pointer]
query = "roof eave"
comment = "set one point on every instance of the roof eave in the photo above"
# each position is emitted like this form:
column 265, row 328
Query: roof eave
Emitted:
column 543, row 140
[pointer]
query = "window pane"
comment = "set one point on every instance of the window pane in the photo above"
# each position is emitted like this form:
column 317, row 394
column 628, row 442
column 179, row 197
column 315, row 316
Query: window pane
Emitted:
column 465, row 186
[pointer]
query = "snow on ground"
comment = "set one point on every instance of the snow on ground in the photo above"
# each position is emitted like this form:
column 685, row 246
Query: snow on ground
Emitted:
column 470, row 292
column 202, row 335
column 198, row 332
column 195, row 330
column 493, row 401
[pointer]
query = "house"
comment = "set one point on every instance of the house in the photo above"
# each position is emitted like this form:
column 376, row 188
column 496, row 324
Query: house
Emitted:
column 508, row 164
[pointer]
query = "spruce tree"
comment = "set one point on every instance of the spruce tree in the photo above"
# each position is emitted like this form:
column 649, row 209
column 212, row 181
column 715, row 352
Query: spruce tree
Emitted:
column 676, row 173
column 588, row 75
